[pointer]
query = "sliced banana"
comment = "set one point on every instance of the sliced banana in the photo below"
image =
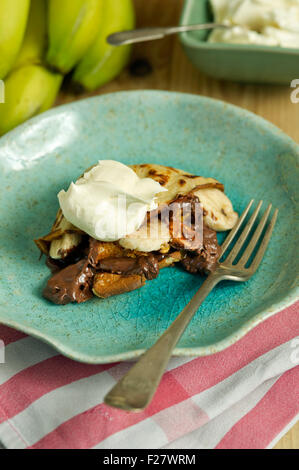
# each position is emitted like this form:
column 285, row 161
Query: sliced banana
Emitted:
column 218, row 210
column 60, row 247
column 143, row 240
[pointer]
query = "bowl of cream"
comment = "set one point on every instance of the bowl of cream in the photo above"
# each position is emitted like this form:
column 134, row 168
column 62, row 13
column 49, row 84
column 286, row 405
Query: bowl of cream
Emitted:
column 261, row 44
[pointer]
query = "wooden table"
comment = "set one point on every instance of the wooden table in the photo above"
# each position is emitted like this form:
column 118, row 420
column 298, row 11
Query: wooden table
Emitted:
column 171, row 70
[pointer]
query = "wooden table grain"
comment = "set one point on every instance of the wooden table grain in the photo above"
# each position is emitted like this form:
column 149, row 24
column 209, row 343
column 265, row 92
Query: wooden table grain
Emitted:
column 171, row 70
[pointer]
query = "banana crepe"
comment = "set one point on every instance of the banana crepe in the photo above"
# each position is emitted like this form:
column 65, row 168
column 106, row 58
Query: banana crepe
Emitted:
column 182, row 228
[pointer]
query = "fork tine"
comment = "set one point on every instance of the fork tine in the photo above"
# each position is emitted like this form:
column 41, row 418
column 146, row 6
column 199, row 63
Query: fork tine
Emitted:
column 242, row 238
column 259, row 256
column 235, row 229
column 255, row 238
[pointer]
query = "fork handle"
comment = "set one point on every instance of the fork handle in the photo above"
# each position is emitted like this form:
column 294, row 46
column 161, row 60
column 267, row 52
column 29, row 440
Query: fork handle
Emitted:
column 136, row 389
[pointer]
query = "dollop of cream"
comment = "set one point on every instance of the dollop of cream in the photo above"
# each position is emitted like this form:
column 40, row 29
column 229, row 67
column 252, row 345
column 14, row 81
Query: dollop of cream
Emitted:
column 109, row 201
column 262, row 22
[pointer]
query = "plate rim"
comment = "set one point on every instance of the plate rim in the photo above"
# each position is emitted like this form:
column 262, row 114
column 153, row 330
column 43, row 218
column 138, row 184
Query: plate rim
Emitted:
column 218, row 346
column 201, row 351
column 238, row 109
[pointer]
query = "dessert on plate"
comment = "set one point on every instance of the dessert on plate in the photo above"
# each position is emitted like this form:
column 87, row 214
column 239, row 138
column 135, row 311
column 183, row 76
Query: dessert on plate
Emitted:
column 118, row 225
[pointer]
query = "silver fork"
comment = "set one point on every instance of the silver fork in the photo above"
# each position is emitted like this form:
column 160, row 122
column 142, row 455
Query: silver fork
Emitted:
column 136, row 389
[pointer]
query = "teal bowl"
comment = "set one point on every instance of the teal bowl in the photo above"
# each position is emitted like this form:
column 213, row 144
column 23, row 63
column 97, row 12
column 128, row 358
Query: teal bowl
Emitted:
column 237, row 62
column 200, row 135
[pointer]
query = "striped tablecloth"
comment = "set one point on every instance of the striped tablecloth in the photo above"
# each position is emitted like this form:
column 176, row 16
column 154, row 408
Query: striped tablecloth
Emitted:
column 246, row 396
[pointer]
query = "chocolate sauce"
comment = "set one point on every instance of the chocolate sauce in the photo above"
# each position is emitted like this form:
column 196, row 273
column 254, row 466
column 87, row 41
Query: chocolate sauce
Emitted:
column 205, row 259
column 146, row 266
column 71, row 284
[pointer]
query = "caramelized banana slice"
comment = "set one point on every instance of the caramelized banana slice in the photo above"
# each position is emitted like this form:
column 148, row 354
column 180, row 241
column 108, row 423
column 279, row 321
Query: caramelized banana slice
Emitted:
column 63, row 238
column 219, row 214
column 102, row 250
column 107, row 284
column 70, row 239
column 169, row 260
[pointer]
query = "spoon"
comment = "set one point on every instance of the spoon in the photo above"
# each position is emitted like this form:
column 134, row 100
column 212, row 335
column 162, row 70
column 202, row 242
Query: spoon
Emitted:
column 148, row 34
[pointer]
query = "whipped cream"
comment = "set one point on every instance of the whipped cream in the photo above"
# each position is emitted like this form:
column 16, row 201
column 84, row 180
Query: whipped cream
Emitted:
column 109, row 201
column 262, row 22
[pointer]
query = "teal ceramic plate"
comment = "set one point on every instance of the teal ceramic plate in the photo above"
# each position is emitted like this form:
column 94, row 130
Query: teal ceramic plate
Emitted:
column 249, row 155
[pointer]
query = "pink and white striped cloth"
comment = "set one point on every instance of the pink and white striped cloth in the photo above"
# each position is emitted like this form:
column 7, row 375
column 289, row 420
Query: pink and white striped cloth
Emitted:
column 246, row 396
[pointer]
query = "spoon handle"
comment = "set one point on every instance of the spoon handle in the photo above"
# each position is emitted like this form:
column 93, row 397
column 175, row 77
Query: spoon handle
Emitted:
column 148, row 34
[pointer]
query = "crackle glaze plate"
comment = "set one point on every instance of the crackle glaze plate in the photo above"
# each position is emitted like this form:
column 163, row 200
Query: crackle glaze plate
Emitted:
column 200, row 135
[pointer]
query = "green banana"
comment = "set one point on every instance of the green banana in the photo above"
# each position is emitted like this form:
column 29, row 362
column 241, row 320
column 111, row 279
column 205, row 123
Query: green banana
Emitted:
column 13, row 19
column 29, row 90
column 73, row 26
column 35, row 40
column 103, row 62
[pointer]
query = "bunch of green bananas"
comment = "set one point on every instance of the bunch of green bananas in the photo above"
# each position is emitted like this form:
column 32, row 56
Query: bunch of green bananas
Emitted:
column 42, row 40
